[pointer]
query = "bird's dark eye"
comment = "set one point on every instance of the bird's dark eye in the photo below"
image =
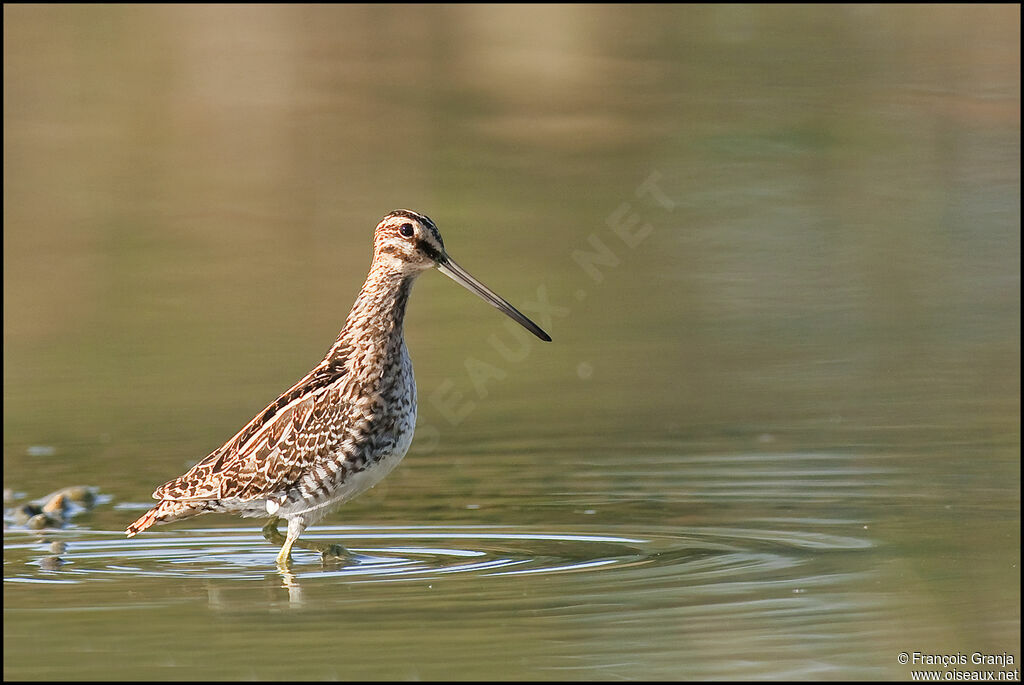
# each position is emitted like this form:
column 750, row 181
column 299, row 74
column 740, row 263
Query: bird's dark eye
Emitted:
column 406, row 230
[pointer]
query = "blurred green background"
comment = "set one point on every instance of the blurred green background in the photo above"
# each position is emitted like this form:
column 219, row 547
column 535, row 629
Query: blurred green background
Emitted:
column 777, row 247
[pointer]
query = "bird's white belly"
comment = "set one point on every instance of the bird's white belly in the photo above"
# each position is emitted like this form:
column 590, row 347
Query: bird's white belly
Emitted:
column 354, row 483
column 362, row 481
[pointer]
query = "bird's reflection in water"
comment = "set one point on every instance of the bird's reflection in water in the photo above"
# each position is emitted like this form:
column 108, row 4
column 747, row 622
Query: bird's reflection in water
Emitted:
column 222, row 598
column 290, row 582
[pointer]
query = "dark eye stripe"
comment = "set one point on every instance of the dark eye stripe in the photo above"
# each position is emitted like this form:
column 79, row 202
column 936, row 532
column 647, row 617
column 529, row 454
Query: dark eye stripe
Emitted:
column 428, row 249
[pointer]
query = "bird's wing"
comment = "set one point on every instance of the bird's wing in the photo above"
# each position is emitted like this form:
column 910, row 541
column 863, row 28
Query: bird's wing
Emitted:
column 233, row 469
column 281, row 456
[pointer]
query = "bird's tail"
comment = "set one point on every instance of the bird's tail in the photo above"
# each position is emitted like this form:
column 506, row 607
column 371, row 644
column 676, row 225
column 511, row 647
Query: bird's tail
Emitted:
column 168, row 510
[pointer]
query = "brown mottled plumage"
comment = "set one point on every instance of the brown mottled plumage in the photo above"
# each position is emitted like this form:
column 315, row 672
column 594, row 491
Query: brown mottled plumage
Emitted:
column 347, row 423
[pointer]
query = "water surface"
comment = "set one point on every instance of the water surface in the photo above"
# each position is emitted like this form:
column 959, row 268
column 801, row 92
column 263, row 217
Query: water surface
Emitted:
column 777, row 434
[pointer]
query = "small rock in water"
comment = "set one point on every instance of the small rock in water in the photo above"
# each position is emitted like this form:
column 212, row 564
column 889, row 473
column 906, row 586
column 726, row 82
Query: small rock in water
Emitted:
column 56, row 509
column 40, row 521
column 61, row 500
column 58, row 503
column 51, row 563
column 58, row 546
column 82, row 494
column 41, row 451
column 23, row 513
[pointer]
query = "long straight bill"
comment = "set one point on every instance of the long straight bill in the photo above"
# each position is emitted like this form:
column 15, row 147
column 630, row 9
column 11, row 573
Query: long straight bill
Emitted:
column 449, row 268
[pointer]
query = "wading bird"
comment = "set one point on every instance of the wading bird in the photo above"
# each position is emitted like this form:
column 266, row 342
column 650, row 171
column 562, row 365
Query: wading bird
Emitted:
column 346, row 424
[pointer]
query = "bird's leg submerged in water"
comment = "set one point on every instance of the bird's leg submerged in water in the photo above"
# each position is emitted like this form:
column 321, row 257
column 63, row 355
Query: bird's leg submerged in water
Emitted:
column 295, row 528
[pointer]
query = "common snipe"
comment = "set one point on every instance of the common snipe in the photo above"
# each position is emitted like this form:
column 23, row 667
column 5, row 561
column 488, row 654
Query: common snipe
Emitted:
column 347, row 423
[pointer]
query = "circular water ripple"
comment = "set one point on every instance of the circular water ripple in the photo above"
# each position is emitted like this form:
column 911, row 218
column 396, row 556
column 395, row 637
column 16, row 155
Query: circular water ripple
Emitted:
column 417, row 553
